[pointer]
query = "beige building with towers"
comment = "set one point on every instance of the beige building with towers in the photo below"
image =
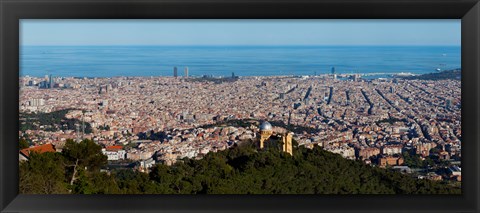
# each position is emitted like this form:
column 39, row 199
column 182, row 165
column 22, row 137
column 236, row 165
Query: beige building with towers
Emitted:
column 266, row 131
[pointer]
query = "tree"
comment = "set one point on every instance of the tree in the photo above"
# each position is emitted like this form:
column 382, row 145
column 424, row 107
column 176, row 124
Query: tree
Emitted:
column 85, row 154
column 412, row 160
column 42, row 174
column 239, row 170
column 95, row 183
column 133, row 182
column 23, row 144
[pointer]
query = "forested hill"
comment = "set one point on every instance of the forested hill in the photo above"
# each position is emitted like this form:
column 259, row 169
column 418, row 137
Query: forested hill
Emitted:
column 455, row 74
column 239, row 170
column 244, row 170
column 52, row 121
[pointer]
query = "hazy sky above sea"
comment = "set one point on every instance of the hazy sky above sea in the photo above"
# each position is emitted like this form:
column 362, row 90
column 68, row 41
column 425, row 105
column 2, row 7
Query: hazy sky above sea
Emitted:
column 240, row 32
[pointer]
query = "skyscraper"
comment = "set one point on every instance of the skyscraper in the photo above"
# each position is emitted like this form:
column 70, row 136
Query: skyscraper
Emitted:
column 175, row 72
column 186, row 72
column 333, row 70
column 50, row 81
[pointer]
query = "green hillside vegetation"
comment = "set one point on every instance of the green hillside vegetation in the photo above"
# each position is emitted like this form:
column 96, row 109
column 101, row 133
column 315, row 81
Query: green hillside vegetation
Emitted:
column 239, row 170
column 52, row 121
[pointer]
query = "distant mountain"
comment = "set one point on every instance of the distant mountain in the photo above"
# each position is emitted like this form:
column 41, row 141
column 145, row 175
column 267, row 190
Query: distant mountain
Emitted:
column 455, row 74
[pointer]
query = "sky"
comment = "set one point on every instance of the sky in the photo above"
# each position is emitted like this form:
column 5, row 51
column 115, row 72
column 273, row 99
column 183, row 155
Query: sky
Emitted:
column 240, row 32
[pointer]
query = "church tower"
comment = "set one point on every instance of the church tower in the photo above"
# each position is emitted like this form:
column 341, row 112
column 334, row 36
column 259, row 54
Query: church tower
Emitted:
column 265, row 132
column 287, row 143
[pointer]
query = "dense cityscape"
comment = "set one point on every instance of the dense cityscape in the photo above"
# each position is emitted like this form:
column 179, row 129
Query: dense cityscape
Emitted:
column 411, row 126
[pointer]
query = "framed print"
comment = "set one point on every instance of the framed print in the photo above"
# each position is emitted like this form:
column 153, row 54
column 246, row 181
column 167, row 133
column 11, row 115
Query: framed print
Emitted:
column 239, row 106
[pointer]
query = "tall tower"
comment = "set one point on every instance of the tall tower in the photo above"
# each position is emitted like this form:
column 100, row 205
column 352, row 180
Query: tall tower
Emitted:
column 83, row 125
column 186, row 72
column 333, row 70
column 50, row 81
column 287, row 143
column 77, row 127
column 175, row 72
column 265, row 132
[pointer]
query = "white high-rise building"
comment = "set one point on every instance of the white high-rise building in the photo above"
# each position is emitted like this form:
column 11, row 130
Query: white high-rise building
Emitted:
column 186, row 72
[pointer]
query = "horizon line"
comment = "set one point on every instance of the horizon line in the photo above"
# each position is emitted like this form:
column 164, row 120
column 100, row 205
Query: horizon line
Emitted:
column 243, row 45
column 289, row 75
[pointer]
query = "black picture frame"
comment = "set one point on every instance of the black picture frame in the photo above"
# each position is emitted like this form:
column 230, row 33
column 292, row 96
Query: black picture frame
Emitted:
column 12, row 11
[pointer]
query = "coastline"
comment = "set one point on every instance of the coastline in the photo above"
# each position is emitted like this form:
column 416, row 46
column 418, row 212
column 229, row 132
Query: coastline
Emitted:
column 367, row 75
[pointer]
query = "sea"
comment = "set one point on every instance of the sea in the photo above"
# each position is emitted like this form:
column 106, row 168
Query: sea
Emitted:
column 111, row 61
